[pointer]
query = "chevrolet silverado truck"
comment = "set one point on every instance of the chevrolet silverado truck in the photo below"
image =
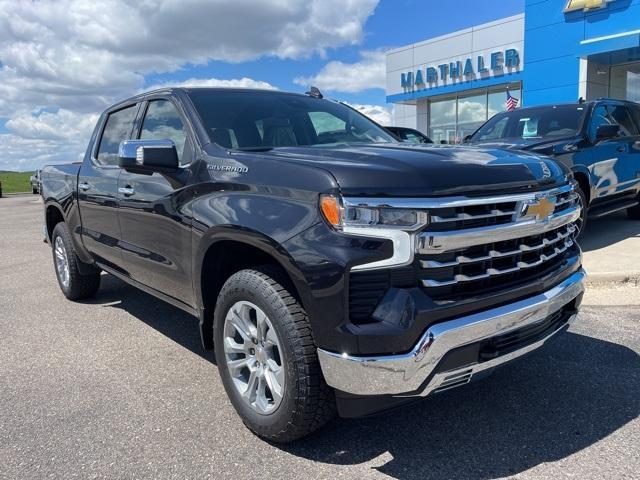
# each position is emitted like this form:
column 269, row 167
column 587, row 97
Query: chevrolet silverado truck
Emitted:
column 598, row 140
column 333, row 268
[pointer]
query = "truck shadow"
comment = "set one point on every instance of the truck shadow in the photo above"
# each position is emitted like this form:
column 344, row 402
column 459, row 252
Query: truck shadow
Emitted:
column 568, row 395
column 172, row 322
column 609, row 230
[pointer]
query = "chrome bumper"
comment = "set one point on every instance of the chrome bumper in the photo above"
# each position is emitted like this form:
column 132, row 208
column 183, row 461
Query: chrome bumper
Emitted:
column 406, row 373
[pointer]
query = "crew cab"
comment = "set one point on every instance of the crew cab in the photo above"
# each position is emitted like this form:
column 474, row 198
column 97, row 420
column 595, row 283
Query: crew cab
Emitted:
column 599, row 141
column 332, row 267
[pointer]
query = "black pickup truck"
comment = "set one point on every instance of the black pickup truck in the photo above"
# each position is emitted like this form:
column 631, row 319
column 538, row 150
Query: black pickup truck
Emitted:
column 332, row 267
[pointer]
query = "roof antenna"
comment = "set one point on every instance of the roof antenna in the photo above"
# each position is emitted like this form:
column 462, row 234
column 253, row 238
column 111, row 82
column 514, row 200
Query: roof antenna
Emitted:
column 314, row 92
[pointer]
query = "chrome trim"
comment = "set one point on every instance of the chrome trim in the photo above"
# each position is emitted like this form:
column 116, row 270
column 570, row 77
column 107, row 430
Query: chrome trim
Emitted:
column 405, row 373
column 468, row 216
column 456, row 378
column 451, row 202
column 491, row 272
column 460, row 259
column 438, row 242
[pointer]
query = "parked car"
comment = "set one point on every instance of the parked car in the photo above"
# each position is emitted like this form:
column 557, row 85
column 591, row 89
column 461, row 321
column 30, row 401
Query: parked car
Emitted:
column 409, row 135
column 35, row 182
column 333, row 268
column 599, row 141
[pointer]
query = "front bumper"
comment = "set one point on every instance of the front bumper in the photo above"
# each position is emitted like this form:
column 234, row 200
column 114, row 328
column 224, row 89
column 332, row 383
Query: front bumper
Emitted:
column 420, row 371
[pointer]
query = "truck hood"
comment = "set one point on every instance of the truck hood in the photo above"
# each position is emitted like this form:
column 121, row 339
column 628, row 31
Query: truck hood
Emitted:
column 545, row 147
column 427, row 170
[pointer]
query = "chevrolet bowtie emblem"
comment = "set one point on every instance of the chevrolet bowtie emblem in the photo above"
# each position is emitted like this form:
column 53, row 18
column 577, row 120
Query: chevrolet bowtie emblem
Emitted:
column 541, row 208
column 585, row 5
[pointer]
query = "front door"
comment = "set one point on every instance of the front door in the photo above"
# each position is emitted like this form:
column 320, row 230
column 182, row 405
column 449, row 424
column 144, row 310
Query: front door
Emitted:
column 154, row 215
column 98, row 186
column 611, row 167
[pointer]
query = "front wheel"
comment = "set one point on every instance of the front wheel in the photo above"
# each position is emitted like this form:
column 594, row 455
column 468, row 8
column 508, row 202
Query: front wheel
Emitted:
column 267, row 358
column 74, row 284
column 581, row 223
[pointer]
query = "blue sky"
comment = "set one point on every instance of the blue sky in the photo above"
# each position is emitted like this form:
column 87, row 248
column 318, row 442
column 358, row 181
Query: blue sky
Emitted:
column 62, row 62
column 394, row 23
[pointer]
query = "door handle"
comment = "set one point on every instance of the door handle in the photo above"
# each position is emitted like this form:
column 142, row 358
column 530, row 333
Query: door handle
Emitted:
column 126, row 191
column 621, row 148
column 84, row 186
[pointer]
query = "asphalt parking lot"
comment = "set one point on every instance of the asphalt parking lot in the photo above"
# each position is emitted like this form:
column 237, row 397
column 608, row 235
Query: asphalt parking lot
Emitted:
column 119, row 387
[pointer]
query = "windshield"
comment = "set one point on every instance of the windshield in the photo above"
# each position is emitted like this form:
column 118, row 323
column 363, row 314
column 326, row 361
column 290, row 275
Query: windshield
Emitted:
column 542, row 123
column 256, row 120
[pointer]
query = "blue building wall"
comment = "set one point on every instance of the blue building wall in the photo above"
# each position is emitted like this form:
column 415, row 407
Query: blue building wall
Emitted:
column 556, row 41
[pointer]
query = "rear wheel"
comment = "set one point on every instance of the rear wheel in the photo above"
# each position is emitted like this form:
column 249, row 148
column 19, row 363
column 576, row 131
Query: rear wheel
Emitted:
column 267, row 359
column 34, row 190
column 74, row 284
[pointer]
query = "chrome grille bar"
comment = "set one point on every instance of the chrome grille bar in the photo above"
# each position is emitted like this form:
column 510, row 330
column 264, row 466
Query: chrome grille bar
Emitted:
column 460, row 259
column 496, row 271
column 469, row 216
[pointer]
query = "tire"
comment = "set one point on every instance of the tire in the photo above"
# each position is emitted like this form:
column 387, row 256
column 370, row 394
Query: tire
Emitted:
column 34, row 191
column 582, row 221
column 634, row 212
column 305, row 402
column 74, row 285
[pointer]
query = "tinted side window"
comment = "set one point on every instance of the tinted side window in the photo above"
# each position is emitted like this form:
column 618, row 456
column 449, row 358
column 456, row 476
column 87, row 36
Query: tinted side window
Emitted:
column 600, row 116
column 161, row 122
column 620, row 115
column 117, row 128
column 635, row 113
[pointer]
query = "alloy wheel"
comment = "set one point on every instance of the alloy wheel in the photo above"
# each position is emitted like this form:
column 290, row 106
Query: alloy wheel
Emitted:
column 254, row 357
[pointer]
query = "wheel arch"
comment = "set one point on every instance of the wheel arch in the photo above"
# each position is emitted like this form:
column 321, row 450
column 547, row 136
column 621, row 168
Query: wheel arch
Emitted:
column 53, row 216
column 584, row 181
column 226, row 251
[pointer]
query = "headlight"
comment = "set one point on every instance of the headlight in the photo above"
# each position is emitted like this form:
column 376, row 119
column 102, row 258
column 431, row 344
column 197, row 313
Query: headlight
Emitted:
column 344, row 216
column 378, row 221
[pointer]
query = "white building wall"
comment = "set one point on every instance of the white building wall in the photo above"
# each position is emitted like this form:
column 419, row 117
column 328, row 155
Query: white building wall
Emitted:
column 482, row 39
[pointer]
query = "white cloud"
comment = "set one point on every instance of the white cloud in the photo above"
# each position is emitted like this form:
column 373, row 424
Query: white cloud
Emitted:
column 377, row 113
column 80, row 56
column 369, row 72
column 243, row 82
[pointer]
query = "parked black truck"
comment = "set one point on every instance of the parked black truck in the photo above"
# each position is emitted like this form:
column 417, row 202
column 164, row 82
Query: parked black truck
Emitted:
column 598, row 140
column 331, row 266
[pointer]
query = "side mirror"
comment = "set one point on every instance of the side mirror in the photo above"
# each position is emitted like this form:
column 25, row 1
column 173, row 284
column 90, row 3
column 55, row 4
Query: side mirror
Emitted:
column 148, row 156
column 607, row 131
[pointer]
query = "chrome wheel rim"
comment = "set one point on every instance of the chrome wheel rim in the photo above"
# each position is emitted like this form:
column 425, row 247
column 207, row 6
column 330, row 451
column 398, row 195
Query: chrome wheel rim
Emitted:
column 583, row 213
column 254, row 357
column 62, row 262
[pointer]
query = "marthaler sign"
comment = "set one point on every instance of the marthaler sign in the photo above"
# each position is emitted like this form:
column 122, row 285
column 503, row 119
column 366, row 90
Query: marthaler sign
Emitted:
column 461, row 70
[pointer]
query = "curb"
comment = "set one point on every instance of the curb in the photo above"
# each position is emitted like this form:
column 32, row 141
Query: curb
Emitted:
column 602, row 279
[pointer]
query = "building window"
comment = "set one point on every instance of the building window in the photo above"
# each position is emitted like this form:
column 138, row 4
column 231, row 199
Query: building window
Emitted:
column 451, row 119
column 624, row 82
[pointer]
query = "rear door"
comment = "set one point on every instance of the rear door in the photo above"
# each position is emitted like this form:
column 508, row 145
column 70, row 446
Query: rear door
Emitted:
column 98, row 185
column 154, row 209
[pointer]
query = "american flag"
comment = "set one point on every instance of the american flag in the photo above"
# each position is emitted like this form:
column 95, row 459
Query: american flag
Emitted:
column 511, row 103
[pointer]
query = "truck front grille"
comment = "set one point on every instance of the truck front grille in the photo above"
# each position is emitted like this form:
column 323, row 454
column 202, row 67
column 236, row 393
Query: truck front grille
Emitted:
column 473, row 247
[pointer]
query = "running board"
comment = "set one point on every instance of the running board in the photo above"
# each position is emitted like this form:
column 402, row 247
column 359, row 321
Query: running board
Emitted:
column 601, row 211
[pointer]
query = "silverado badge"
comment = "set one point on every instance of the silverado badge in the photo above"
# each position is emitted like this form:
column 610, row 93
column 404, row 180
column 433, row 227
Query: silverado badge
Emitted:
column 540, row 208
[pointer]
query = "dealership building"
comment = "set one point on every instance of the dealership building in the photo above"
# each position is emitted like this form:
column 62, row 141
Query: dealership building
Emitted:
column 556, row 51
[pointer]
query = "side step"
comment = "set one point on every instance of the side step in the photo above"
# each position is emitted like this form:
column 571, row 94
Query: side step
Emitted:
column 602, row 210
